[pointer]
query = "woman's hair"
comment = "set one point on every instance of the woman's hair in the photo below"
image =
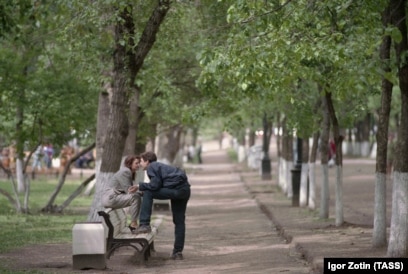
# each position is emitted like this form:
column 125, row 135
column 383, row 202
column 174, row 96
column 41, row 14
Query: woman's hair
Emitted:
column 149, row 156
column 129, row 160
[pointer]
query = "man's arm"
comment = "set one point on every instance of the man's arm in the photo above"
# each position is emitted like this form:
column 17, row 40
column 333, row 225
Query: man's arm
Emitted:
column 156, row 182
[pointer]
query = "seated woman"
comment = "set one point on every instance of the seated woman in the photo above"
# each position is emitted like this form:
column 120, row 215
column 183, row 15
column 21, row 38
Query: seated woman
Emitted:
column 120, row 191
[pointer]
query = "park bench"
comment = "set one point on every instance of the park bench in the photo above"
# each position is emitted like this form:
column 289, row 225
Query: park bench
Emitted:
column 120, row 235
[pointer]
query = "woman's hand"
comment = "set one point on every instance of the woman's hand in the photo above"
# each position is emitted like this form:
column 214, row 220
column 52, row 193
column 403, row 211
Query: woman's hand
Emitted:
column 133, row 189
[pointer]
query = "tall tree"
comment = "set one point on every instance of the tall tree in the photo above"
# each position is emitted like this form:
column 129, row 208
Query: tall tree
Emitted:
column 380, row 206
column 117, row 128
column 398, row 243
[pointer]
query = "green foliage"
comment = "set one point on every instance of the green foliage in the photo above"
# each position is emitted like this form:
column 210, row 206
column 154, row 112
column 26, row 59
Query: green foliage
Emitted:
column 40, row 79
column 271, row 46
column 167, row 80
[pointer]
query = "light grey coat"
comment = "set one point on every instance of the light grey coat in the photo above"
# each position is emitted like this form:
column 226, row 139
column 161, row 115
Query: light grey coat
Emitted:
column 116, row 194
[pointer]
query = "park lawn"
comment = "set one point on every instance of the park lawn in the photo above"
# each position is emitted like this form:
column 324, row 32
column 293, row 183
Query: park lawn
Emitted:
column 36, row 227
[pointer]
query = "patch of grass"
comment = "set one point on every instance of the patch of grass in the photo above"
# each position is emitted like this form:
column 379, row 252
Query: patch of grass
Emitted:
column 36, row 227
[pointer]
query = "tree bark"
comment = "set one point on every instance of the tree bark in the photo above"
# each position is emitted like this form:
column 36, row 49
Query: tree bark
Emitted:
column 103, row 116
column 304, row 175
column 380, row 225
column 126, row 65
column 365, row 135
column 312, row 171
column 170, row 144
column 131, row 141
column 325, row 194
column 338, row 141
column 398, row 243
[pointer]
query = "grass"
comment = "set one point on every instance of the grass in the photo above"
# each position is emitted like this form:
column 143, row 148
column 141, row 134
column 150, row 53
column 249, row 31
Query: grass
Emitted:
column 18, row 229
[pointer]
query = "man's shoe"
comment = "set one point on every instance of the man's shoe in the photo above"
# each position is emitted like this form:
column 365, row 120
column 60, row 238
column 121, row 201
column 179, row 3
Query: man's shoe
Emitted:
column 177, row 256
column 143, row 229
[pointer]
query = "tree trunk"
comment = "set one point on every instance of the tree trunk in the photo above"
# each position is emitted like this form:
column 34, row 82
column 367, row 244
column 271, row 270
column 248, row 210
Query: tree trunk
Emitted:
column 171, row 144
column 365, row 135
column 266, row 168
column 380, row 207
column 286, row 160
column 130, row 145
column 103, row 116
column 325, row 194
column 289, row 161
column 398, row 244
column 118, row 125
column 20, row 145
column 312, row 171
column 338, row 140
column 304, row 175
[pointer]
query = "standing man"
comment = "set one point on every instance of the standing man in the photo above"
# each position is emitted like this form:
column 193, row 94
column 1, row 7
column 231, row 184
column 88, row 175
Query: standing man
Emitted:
column 166, row 182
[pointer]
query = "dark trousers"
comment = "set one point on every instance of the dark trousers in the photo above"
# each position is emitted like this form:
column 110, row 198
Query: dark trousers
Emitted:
column 179, row 198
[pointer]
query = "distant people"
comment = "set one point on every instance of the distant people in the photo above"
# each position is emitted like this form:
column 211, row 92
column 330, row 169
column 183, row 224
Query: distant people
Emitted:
column 121, row 192
column 65, row 156
column 12, row 157
column 5, row 157
column 48, row 155
column 166, row 182
column 37, row 156
column 85, row 160
column 332, row 152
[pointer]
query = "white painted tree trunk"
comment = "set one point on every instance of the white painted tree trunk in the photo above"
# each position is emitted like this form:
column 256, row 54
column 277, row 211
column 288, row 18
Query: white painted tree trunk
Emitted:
column 20, row 176
column 241, row 154
column 102, row 180
column 373, row 153
column 325, row 194
column 357, row 149
column 339, row 196
column 365, row 148
column 312, row 186
column 380, row 209
column 398, row 242
column 282, row 174
column 303, row 185
column 348, row 148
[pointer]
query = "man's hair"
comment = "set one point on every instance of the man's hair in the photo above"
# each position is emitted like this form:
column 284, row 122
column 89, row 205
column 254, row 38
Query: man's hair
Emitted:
column 129, row 160
column 149, row 156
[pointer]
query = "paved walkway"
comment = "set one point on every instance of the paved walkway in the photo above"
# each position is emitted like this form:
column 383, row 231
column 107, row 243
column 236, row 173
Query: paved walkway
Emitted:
column 254, row 212
column 238, row 223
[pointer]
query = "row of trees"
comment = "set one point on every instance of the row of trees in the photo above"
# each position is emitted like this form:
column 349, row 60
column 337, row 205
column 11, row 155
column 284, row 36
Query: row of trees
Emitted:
column 318, row 67
column 128, row 71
